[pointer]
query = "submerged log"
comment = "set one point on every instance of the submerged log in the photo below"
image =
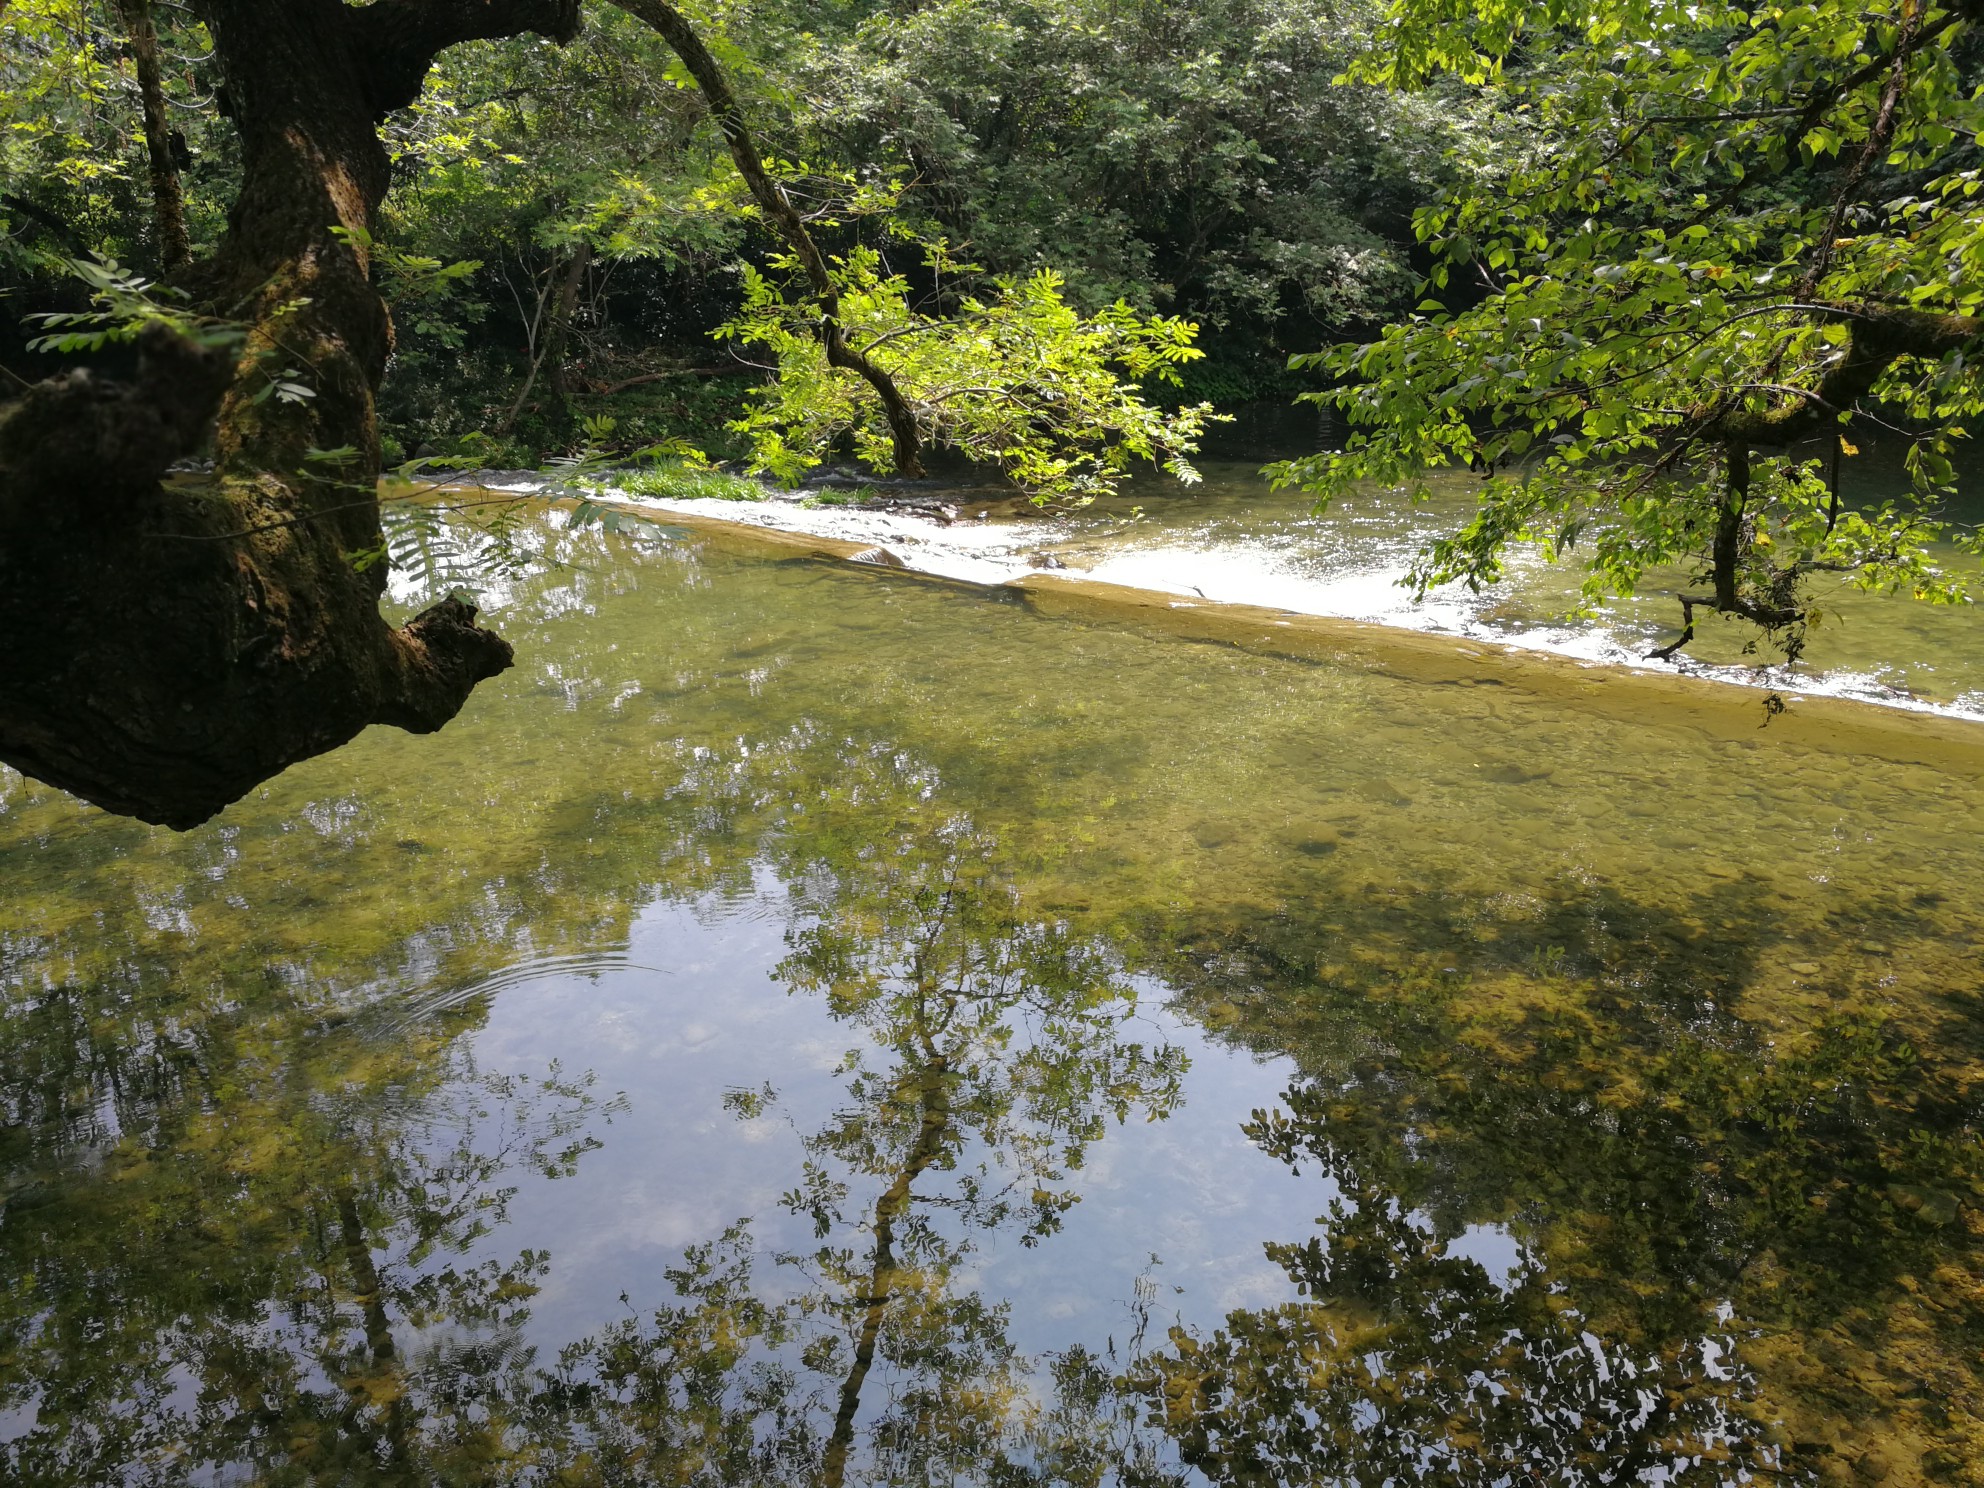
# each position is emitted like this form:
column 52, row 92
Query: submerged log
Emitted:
column 166, row 647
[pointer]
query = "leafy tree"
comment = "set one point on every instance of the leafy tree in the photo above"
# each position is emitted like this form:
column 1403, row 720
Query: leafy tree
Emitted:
column 108, row 139
column 245, row 637
column 1015, row 378
column 1744, row 239
column 1267, row 204
column 546, row 175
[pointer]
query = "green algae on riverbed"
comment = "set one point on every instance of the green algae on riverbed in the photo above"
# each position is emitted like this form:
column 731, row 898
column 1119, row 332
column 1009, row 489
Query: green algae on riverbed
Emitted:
column 1692, row 1016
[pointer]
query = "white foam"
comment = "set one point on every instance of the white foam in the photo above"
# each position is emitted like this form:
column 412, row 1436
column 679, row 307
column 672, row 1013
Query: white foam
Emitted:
column 977, row 552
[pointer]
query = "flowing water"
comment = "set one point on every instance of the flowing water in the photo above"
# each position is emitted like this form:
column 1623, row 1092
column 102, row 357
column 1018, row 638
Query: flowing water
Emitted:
column 807, row 1025
column 1233, row 540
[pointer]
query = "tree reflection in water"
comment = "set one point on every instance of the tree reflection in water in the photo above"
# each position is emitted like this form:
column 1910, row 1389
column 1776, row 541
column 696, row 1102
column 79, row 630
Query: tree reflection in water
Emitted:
column 1410, row 1363
column 267, row 1262
column 995, row 1052
column 277, row 1282
column 1670, row 1148
column 248, row 1233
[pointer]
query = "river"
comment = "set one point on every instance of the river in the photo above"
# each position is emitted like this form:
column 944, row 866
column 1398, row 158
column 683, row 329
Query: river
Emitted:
column 814, row 1024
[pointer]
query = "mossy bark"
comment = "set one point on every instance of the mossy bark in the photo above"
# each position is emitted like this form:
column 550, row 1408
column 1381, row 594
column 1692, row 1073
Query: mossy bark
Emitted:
column 166, row 647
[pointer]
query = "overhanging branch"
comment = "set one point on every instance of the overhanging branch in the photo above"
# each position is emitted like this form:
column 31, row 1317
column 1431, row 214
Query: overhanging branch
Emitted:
column 1880, row 338
column 398, row 40
column 78, row 438
column 674, row 28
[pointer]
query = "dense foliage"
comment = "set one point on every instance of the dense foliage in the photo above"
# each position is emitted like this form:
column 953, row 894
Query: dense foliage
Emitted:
column 1675, row 264
column 1741, row 240
column 1016, row 378
column 1187, row 156
column 1190, row 161
column 73, row 177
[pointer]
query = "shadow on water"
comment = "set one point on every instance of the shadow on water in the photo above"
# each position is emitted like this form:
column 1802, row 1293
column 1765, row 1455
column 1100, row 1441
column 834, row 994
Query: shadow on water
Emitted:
column 1621, row 1178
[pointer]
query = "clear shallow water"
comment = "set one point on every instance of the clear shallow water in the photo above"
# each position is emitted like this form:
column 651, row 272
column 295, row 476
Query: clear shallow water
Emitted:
column 1233, row 539
column 804, row 1026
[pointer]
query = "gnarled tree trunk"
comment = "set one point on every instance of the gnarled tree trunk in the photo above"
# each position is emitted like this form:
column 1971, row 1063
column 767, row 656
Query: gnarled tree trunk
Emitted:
column 166, row 648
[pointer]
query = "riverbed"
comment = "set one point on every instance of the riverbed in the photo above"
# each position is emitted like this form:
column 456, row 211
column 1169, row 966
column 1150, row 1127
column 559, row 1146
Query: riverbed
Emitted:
column 811, row 1023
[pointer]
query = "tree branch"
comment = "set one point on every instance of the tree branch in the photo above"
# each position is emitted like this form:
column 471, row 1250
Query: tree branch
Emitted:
column 48, row 222
column 1878, row 135
column 1880, row 339
column 398, row 40
column 675, row 29
column 78, row 438
column 441, row 655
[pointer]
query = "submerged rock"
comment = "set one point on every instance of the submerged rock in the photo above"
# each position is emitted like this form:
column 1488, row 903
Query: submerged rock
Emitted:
column 879, row 557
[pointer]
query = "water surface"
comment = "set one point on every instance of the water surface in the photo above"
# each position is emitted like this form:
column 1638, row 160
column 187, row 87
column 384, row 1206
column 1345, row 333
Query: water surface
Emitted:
column 804, row 1026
